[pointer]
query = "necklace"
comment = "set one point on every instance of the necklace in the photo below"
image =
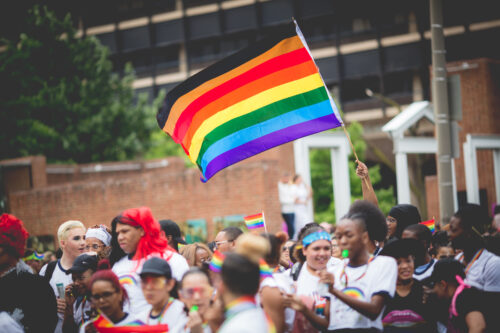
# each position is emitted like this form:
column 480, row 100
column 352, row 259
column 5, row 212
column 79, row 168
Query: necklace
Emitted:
column 346, row 278
column 476, row 256
column 163, row 311
column 238, row 305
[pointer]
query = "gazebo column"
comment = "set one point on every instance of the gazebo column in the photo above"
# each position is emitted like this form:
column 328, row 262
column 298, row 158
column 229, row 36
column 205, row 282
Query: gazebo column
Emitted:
column 402, row 178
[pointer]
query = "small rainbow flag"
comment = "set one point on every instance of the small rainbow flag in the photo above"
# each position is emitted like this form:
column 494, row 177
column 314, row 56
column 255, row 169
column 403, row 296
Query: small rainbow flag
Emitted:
column 265, row 270
column 102, row 321
column 216, row 262
column 430, row 224
column 133, row 328
column 263, row 96
column 254, row 221
column 104, row 325
column 34, row 256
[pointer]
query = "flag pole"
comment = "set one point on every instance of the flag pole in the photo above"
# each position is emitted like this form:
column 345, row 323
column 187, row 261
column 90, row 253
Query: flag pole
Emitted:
column 354, row 151
column 264, row 219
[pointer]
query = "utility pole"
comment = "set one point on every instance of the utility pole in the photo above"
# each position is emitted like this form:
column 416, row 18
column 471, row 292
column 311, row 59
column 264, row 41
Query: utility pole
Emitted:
column 441, row 113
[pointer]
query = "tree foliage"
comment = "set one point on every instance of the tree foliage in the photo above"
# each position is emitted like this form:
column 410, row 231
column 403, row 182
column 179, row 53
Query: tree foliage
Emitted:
column 321, row 178
column 61, row 98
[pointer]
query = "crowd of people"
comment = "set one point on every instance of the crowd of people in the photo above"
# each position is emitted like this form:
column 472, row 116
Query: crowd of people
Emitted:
column 368, row 273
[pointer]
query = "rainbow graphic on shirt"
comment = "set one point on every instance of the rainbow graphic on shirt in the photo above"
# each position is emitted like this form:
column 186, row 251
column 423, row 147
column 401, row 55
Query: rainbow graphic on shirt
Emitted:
column 128, row 279
column 319, row 308
column 354, row 292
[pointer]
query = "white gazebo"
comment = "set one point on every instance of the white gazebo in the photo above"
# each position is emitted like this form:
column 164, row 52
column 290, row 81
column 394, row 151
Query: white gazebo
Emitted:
column 339, row 150
column 471, row 145
column 404, row 145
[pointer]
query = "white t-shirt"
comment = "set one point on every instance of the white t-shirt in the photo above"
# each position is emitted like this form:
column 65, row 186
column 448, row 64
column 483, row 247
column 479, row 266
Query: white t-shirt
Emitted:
column 314, row 294
column 248, row 321
column 59, row 275
column 378, row 277
column 128, row 272
column 484, row 273
column 287, row 197
column 174, row 317
column 283, row 282
column 424, row 271
column 333, row 262
column 127, row 320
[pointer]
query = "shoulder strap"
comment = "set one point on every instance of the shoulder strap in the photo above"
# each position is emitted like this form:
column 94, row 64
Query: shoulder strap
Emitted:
column 295, row 271
column 51, row 266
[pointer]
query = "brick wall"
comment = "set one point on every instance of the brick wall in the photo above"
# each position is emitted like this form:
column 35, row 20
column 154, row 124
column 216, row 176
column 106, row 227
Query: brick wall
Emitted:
column 241, row 189
column 480, row 90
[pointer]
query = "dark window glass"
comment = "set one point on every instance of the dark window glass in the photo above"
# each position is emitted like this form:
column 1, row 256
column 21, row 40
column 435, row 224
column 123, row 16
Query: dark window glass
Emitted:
column 312, row 8
column 361, row 64
column 275, row 12
column 402, row 57
column 241, row 18
column 166, row 59
column 202, row 52
column 109, row 40
column 135, row 38
column 201, row 26
column 169, row 32
column 328, row 69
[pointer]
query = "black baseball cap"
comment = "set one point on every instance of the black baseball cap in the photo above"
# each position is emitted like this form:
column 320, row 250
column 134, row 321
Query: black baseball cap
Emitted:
column 157, row 266
column 83, row 262
column 445, row 270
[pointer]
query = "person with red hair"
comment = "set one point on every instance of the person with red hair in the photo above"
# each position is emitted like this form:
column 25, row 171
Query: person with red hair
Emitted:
column 26, row 298
column 108, row 296
column 137, row 236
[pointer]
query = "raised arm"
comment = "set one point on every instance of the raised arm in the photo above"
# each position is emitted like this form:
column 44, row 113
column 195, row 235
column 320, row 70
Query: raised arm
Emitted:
column 366, row 184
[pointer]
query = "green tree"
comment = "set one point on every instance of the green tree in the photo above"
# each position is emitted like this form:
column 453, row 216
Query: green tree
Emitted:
column 321, row 178
column 61, row 98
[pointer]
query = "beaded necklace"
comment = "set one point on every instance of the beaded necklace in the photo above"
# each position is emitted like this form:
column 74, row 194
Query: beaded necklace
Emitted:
column 346, row 278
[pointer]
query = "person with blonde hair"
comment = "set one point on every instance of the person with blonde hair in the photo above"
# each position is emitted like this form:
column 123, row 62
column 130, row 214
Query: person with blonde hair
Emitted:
column 196, row 254
column 240, row 281
column 71, row 237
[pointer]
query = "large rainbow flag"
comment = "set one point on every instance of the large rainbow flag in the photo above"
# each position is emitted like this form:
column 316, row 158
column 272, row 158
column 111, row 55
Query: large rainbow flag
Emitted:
column 263, row 96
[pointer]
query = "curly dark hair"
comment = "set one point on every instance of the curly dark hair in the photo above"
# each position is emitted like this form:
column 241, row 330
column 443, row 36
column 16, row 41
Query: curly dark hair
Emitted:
column 373, row 218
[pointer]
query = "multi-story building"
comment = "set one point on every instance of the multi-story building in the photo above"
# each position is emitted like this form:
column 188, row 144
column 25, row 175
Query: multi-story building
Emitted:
column 373, row 55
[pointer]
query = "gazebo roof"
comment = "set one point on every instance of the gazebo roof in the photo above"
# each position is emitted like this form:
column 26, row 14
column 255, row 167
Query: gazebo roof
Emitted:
column 408, row 117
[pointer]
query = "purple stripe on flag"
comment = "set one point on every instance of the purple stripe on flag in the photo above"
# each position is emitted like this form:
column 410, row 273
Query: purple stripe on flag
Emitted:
column 270, row 141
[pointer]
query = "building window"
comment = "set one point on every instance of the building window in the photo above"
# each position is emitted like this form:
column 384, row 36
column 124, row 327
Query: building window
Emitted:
column 203, row 52
column 136, row 38
column 166, row 59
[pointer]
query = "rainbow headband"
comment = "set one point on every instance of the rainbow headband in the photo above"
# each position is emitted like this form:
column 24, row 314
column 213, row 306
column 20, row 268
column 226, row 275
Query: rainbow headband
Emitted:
column 34, row 256
column 316, row 236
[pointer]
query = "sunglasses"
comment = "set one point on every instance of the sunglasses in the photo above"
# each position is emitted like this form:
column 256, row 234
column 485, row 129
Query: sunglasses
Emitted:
column 157, row 282
column 189, row 293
